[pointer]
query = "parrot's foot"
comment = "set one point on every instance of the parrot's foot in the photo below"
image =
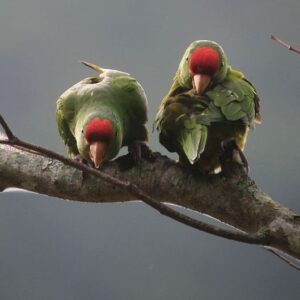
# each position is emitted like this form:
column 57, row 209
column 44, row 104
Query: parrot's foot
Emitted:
column 81, row 160
column 140, row 150
column 232, row 155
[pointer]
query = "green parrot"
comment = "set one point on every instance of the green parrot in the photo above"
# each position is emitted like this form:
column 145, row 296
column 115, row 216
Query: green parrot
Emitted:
column 99, row 115
column 208, row 104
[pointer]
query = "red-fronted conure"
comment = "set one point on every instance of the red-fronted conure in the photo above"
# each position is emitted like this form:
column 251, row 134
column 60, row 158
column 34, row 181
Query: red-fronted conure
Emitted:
column 207, row 104
column 99, row 115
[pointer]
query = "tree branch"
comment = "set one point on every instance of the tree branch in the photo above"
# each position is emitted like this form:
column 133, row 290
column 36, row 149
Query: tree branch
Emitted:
column 236, row 201
column 282, row 43
column 133, row 189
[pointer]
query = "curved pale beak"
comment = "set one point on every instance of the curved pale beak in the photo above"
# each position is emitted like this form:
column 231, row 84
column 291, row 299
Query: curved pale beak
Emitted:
column 97, row 152
column 201, row 82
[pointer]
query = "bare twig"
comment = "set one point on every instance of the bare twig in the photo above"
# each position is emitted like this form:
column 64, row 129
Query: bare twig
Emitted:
column 6, row 128
column 137, row 192
column 282, row 257
column 282, row 43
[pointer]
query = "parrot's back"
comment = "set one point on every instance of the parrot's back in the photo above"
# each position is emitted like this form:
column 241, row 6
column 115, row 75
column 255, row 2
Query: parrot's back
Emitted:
column 114, row 95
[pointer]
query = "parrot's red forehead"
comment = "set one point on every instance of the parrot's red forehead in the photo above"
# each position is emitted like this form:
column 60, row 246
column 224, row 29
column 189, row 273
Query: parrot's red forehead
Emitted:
column 205, row 60
column 98, row 130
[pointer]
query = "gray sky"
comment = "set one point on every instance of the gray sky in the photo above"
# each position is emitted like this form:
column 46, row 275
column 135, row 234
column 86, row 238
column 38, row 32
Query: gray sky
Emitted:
column 57, row 250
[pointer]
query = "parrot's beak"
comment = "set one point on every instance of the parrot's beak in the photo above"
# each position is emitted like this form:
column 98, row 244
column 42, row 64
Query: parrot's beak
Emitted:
column 97, row 152
column 201, row 82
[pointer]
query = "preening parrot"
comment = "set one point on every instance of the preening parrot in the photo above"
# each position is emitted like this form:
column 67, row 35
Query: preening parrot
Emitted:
column 207, row 104
column 99, row 115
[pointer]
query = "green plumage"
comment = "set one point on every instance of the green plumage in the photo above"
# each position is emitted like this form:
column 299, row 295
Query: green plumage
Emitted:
column 115, row 96
column 194, row 126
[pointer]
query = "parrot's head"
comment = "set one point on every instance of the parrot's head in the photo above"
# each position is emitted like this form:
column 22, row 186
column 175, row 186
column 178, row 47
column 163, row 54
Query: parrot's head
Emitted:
column 204, row 64
column 99, row 135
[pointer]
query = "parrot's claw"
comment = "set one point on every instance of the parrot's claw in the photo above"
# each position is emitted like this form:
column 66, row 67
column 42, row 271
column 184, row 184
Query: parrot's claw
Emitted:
column 81, row 160
column 232, row 154
column 78, row 158
column 140, row 150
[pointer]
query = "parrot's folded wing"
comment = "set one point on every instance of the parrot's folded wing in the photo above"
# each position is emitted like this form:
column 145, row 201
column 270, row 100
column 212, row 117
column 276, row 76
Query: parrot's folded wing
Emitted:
column 237, row 101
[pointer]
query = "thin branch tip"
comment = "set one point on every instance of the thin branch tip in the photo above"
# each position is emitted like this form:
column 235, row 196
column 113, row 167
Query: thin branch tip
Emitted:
column 284, row 44
column 282, row 257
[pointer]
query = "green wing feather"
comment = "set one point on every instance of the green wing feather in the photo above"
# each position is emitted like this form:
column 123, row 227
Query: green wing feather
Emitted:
column 175, row 89
column 63, row 118
column 235, row 98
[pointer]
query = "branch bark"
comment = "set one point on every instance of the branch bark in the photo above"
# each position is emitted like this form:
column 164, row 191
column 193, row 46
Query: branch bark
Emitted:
column 133, row 189
column 235, row 200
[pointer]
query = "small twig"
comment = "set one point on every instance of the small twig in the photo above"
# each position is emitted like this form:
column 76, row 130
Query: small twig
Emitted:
column 282, row 43
column 282, row 257
column 6, row 128
column 137, row 192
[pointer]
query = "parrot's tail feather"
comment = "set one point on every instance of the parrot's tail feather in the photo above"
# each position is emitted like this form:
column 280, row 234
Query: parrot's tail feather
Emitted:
column 93, row 66
column 193, row 141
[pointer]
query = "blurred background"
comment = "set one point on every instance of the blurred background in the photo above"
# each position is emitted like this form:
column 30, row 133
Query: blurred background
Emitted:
column 53, row 249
